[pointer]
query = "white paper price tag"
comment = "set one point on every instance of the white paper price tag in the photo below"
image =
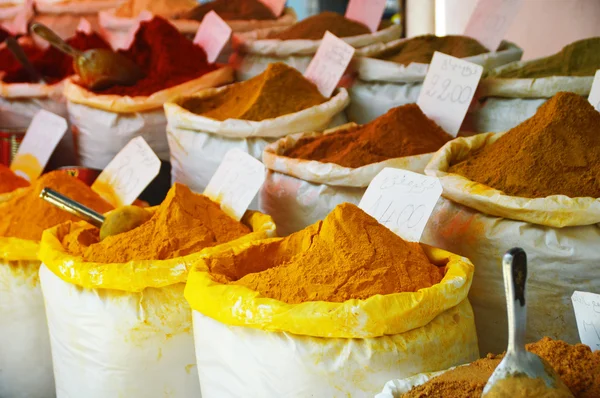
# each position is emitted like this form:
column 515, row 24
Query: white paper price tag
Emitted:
column 42, row 137
column 594, row 97
column 490, row 21
column 448, row 89
column 128, row 174
column 587, row 314
column 402, row 201
column 236, row 182
column 329, row 63
column 84, row 26
column 212, row 35
column 367, row 12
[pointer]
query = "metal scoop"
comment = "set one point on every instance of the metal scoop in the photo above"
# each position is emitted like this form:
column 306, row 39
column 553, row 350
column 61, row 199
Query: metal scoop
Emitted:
column 97, row 68
column 518, row 362
column 16, row 49
column 116, row 222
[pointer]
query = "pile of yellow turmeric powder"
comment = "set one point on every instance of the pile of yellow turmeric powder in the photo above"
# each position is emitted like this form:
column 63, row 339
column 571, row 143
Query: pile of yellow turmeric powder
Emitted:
column 26, row 216
column 278, row 91
column 184, row 223
column 9, row 181
column 348, row 255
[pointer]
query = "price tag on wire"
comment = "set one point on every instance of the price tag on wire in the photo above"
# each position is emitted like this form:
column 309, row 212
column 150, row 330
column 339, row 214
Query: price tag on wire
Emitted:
column 448, row 90
column 276, row 6
column 213, row 35
column 128, row 174
column 594, row 97
column 587, row 314
column 402, row 201
column 236, row 182
column 42, row 137
column 367, row 12
column 329, row 63
column 490, row 21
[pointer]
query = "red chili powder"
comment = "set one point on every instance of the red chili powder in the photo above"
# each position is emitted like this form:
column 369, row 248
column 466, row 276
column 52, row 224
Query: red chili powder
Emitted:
column 4, row 35
column 166, row 56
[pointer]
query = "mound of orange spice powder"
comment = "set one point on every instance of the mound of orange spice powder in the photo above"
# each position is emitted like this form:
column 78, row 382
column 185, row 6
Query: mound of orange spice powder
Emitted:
column 348, row 255
column 184, row 223
column 402, row 131
column 9, row 181
column 26, row 216
column 313, row 28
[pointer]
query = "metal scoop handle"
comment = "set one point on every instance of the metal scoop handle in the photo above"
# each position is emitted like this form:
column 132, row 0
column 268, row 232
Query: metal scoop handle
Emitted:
column 15, row 48
column 52, row 38
column 72, row 207
column 514, row 270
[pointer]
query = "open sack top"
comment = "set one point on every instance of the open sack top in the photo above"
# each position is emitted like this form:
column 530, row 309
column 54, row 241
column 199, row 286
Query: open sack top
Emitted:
column 313, row 118
column 372, row 69
column 376, row 316
column 31, row 90
column 133, row 276
column 331, row 173
column 125, row 104
column 257, row 42
column 554, row 211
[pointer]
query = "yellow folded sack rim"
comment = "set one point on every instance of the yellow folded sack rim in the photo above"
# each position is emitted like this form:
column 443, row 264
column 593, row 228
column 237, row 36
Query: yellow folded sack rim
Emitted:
column 376, row 316
column 17, row 249
column 134, row 276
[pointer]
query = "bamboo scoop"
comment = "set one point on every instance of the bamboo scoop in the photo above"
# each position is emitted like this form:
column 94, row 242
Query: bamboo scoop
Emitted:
column 16, row 49
column 116, row 222
column 97, row 68
column 520, row 368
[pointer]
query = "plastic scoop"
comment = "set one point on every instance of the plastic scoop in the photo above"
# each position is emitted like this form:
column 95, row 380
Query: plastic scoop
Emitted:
column 16, row 49
column 116, row 222
column 519, row 364
column 97, row 68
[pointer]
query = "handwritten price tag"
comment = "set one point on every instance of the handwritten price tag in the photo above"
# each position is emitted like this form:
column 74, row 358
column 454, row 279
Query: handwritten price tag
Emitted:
column 329, row 63
column 42, row 137
column 587, row 314
column 448, row 90
column 402, row 201
column 490, row 21
column 212, row 35
column 367, row 12
column 276, row 6
column 128, row 174
column 18, row 25
column 236, row 182
column 594, row 97
column 84, row 26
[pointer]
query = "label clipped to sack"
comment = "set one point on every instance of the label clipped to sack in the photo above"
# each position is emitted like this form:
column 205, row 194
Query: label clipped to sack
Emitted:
column 329, row 63
column 448, row 89
column 587, row 314
column 594, row 97
column 128, row 174
column 490, row 21
column 84, row 26
column 402, row 201
column 236, row 182
column 367, row 12
column 276, row 6
column 212, row 35
column 42, row 137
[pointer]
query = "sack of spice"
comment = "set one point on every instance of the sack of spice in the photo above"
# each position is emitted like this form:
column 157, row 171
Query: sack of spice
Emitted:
column 25, row 360
column 121, row 298
column 392, row 74
column 512, row 93
column 248, row 115
column 296, row 45
column 576, row 365
column 106, row 120
column 536, row 187
column 329, row 311
column 311, row 173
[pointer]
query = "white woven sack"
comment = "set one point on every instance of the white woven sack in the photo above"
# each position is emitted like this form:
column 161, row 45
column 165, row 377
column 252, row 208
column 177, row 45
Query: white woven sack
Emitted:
column 104, row 124
column 256, row 52
column 198, row 143
column 299, row 192
column 382, row 85
column 559, row 234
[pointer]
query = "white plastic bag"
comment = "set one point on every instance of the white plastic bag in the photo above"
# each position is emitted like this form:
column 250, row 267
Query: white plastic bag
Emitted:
column 198, row 143
column 256, row 52
column 382, row 85
column 560, row 235
column 299, row 192
column 103, row 124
